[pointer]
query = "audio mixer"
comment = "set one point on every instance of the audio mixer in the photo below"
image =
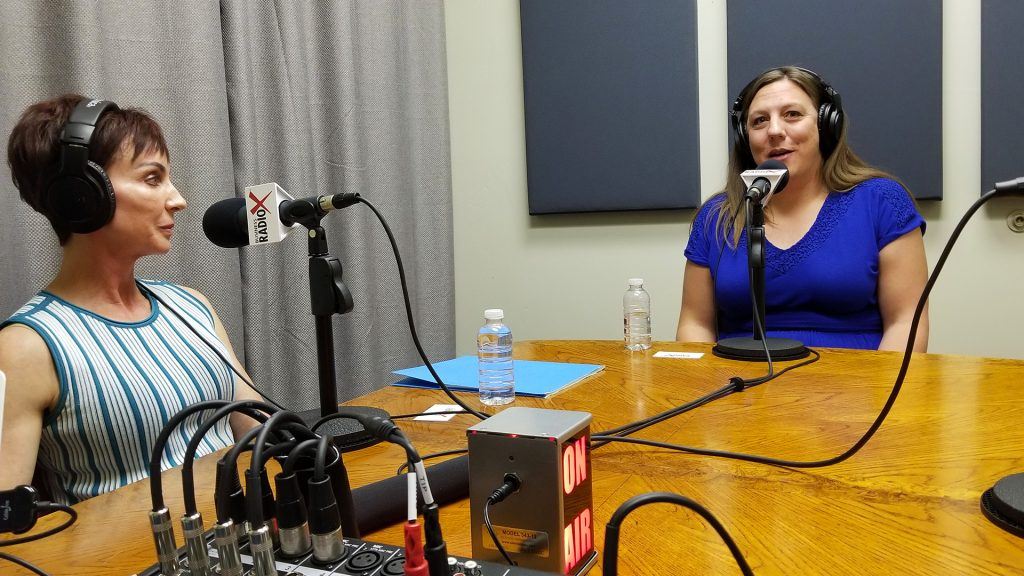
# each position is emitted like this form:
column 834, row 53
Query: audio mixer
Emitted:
column 360, row 559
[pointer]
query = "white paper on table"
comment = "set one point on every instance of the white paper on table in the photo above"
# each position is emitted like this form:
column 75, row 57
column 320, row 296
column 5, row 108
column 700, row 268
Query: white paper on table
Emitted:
column 440, row 408
column 681, row 355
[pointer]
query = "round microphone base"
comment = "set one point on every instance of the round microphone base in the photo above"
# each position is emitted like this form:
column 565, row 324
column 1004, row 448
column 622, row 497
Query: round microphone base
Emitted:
column 1003, row 504
column 752, row 350
column 347, row 434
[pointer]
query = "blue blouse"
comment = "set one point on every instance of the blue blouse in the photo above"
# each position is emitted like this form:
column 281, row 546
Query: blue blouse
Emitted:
column 823, row 290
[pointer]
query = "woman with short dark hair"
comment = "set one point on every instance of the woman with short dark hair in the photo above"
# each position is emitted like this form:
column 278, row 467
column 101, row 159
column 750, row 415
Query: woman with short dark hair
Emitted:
column 99, row 360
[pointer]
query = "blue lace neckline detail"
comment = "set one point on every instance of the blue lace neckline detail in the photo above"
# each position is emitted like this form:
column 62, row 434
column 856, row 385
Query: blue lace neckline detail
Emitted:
column 832, row 211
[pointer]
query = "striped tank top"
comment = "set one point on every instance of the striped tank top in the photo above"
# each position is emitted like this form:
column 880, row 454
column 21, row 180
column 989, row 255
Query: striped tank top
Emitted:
column 119, row 383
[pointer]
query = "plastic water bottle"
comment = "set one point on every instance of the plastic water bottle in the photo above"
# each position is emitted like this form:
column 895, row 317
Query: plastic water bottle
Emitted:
column 494, row 355
column 636, row 316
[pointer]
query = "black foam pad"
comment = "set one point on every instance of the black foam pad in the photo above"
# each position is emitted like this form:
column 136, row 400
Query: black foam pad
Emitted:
column 225, row 224
column 383, row 503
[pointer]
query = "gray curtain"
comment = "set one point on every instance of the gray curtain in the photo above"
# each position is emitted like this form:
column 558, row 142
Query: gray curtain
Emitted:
column 320, row 97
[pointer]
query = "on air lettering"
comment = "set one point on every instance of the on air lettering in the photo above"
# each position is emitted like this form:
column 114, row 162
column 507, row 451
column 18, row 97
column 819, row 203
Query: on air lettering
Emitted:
column 574, row 465
column 578, row 540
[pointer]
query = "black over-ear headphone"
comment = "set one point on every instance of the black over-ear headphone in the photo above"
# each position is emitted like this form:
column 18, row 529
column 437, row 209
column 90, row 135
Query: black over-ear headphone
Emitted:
column 80, row 196
column 830, row 116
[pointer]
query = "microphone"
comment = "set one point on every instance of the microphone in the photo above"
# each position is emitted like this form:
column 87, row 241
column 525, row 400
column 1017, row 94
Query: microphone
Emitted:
column 266, row 214
column 253, row 219
column 768, row 179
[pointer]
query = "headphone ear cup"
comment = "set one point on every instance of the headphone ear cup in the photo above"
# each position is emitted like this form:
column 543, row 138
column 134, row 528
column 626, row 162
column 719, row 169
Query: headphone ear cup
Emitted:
column 84, row 203
column 737, row 125
column 105, row 203
column 740, row 132
column 830, row 124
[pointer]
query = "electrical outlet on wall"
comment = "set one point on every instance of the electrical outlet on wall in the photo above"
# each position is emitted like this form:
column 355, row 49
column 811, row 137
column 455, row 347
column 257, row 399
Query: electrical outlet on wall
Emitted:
column 1015, row 221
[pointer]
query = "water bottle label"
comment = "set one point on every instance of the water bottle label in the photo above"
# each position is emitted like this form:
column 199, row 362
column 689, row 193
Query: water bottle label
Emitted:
column 637, row 330
column 495, row 366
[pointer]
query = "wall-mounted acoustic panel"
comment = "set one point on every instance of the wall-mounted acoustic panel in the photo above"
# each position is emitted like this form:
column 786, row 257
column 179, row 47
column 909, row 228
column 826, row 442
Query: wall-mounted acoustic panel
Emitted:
column 610, row 93
column 883, row 57
column 1002, row 89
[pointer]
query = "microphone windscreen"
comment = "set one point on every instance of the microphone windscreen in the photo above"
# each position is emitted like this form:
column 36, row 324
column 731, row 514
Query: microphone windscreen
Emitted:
column 383, row 503
column 773, row 164
column 225, row 224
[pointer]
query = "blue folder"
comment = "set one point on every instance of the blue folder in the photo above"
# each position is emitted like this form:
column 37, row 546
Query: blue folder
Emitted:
column 533, row 378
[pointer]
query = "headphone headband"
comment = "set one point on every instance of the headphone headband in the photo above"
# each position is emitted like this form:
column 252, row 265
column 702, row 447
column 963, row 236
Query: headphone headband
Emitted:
column 82, row 121
column 830, row 93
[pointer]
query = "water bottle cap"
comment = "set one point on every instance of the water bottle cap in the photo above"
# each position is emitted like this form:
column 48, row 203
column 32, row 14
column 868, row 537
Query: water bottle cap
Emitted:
column 636, row 281
column 494, row 314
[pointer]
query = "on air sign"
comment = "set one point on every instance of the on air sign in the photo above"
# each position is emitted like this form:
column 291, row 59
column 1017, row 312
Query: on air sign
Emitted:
column 578, row 535
column 548, row 524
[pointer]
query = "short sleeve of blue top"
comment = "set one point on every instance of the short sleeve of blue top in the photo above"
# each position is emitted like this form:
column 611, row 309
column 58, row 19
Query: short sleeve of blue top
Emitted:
column 823, row 290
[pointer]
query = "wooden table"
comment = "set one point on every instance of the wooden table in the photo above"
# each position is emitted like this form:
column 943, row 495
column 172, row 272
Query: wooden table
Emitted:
column 907, row 503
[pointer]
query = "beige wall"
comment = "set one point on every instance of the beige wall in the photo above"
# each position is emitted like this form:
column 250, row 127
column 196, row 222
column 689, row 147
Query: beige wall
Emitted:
column 563, row 276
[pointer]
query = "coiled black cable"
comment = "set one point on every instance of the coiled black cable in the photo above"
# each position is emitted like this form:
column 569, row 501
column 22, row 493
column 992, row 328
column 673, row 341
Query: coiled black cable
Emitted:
column 611, row 531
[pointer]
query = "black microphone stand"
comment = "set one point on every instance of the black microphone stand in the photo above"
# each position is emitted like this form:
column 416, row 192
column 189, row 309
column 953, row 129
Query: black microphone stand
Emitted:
column 329, row 296
column 754, row 348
